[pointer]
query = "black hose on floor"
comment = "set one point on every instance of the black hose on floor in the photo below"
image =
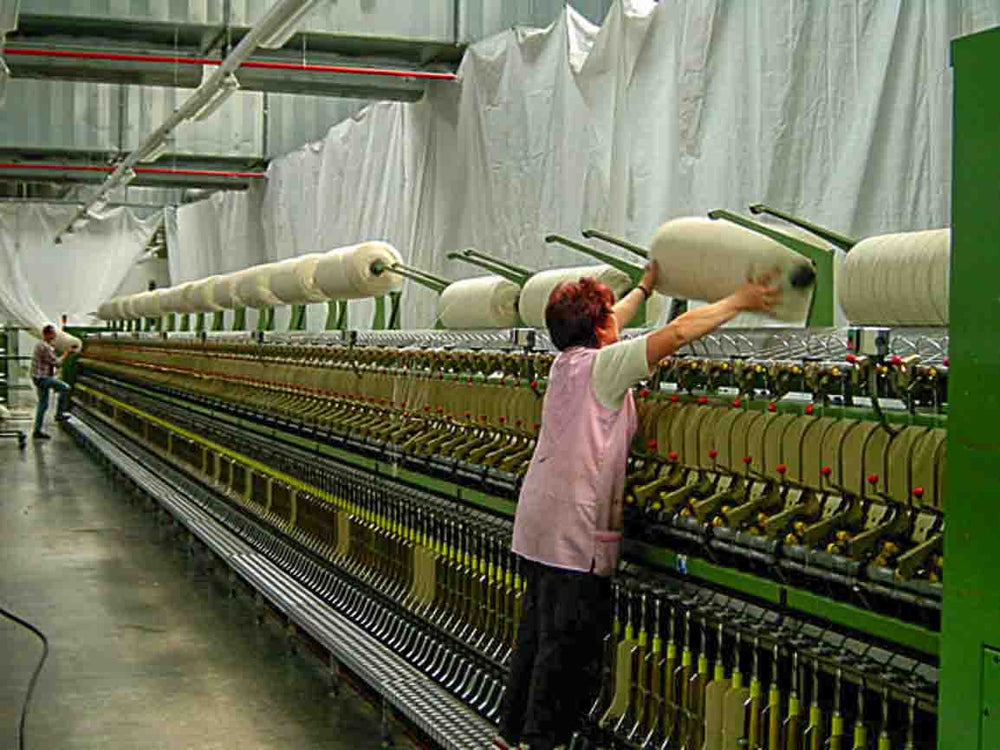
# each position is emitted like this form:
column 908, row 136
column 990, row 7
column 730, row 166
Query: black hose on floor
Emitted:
column 34, row 677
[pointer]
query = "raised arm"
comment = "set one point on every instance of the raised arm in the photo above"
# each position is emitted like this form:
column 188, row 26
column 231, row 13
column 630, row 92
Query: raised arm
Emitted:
column 754, row 296
column 626, row 308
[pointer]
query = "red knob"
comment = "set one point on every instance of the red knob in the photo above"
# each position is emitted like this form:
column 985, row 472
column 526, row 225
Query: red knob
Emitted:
column 651, row 445
column 537, row 427
column 772, row 406
column 675, row 398
column 918, row 492
column 440, row 410
column 826, row 471
column 468, row 414
column 534, row 384
column 469, row 381
column 713, row 453
column 946, row 361
column 703, row 400
column 747, row 460
column 672, row 455
column 781, row 468
column 482, row 418
column 519, row 423
column 427, row 408
column 736, row 403
column 873, row 479
column 501, row 419
column 809, row 409
column 644, row 393
column 851, row 358
column 896, row 360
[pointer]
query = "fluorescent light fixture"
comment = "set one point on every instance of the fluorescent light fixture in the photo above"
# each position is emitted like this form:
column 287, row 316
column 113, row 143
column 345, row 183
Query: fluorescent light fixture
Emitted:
column 284, row 31
column 8, row 15
column 229, row 85
column 155, row 152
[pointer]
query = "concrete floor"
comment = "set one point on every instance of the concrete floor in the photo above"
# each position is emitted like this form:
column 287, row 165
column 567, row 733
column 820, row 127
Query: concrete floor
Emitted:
column 146, row 649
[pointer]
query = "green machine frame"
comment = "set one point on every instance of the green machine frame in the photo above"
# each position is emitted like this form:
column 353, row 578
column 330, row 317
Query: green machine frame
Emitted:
column 969, row 693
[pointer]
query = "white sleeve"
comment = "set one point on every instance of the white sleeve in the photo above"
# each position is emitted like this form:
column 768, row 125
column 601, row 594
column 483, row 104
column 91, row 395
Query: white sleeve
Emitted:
column 617, row 368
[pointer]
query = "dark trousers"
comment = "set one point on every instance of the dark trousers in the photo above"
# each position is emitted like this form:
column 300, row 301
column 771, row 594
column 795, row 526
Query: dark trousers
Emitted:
column 555, row 669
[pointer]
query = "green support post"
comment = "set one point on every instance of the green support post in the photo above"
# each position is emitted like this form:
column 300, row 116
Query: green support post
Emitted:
column 171, row 322
column 822, row 310
column 378, row 317
column 968, row 715
column 240, row 319
column 219, row 320
column 265, row 319
column 299, row 319
column 185, row 322
column 199, row 322
column 336, row 315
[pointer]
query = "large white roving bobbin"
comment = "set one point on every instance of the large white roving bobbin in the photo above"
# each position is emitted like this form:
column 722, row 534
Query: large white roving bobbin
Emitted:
column 898, row 279
column 480, row 302
column 705, row 259
column 359, row 271
column 294, row 280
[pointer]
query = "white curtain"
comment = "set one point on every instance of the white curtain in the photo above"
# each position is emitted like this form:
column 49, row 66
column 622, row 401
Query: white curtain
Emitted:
column 41, row 281
column 839, row 111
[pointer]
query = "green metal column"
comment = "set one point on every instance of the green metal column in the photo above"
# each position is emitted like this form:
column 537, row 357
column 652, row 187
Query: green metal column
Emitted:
column 969, row 704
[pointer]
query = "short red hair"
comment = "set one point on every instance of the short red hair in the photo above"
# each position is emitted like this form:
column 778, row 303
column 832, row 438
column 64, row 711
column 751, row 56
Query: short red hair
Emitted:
column 576, row 310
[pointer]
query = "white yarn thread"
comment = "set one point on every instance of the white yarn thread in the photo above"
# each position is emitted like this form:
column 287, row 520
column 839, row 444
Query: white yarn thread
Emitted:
column 294, row 280
column 897, row 279
column 535, row 294
column 480, row 302
column 707, row 260
column 346, row 272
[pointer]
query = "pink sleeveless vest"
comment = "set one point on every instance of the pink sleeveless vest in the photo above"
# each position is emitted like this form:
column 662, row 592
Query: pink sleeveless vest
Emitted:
column 569, row 514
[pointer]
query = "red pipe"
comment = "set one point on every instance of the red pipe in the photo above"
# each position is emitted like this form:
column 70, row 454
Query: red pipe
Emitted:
column 138, row 170
column 269, row 65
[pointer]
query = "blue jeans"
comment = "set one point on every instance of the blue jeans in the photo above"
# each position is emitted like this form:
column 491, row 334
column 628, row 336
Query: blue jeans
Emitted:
column 44, row 385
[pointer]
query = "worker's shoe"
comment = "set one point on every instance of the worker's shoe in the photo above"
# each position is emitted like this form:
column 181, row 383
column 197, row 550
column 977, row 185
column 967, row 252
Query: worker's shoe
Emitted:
column 38, row 435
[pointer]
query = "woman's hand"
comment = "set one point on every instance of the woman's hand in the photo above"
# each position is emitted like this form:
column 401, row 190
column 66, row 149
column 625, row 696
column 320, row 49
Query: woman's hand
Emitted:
column 758, row 295
column 650, row 276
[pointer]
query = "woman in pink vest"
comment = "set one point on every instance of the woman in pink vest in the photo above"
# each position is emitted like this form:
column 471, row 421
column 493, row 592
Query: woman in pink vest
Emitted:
column 567, row 529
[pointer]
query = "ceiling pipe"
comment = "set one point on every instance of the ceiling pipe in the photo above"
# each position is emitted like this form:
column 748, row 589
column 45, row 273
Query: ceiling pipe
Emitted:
column 275, row 22
column 41, row 166
column 259, row 64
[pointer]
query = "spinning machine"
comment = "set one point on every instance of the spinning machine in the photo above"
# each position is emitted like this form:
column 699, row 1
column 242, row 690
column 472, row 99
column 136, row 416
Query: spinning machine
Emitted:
column 791, row 492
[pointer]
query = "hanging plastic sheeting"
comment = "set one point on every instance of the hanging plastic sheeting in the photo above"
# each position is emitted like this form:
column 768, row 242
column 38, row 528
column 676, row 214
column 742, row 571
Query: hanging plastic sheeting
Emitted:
column 838, row 112
column 74, row 277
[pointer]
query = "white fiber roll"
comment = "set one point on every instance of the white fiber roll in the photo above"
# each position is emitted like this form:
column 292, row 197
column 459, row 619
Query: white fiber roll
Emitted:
column 173, row 299
column 482, row 302
column 202, row 295
column 294, row 280
column 705, row 259
column 64, row 341
column 224, row 293
column 141, row 304
column 535, row 294
column 105, row 310
column 252, row 287
column 899, row 279
column 656, row 306
column 346, row 273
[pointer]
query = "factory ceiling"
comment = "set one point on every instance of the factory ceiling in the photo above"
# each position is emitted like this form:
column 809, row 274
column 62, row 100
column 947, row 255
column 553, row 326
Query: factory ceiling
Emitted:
column 144, row 60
